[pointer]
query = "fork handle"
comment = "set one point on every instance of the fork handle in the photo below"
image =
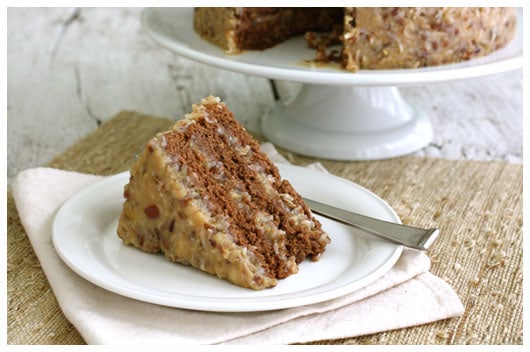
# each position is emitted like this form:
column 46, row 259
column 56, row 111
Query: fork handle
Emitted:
column 409, row 236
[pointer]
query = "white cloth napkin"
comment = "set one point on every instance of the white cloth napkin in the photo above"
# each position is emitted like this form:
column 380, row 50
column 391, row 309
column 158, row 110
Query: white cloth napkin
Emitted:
column 407, row 295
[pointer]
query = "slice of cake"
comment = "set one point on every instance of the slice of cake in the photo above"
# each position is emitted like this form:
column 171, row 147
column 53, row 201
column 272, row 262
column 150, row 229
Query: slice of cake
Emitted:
column 204, row 194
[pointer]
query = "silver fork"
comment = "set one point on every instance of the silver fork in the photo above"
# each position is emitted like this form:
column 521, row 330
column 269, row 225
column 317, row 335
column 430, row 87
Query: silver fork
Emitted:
column 409, row 236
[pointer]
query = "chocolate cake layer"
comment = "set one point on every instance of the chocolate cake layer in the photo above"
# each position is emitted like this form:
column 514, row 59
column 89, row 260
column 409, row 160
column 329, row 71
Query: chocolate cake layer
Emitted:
column 260, row 28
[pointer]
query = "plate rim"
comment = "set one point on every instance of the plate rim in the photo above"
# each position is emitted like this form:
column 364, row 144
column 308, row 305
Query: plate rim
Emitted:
column 265, row 303
column 477, row 67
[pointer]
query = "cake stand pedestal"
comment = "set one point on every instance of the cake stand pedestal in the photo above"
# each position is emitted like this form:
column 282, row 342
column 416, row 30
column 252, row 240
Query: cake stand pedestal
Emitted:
column 337, row 114
column 347, row 123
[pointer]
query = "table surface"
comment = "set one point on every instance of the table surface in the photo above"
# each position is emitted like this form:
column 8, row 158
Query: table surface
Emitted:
column 85, row 65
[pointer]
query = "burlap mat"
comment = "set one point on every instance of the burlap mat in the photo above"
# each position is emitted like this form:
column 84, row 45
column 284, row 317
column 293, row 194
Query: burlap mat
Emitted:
column 476, row 205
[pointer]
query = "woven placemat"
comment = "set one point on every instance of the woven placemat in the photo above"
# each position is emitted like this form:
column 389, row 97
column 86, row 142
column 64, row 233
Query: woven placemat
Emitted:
column 476, row 205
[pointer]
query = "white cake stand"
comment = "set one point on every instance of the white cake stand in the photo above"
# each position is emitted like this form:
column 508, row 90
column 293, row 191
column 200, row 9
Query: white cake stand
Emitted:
column 336, row 114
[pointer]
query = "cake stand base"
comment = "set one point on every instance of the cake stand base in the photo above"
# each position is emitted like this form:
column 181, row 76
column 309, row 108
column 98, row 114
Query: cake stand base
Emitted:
column 347, row 123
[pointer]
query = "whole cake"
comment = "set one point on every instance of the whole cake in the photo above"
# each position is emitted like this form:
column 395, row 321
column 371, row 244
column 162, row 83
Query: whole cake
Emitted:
column 204, row 194
column 371, row 37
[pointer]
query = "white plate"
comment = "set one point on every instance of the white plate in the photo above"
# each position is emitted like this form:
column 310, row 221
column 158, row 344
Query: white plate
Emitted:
column 173, row 28
column 84, row 235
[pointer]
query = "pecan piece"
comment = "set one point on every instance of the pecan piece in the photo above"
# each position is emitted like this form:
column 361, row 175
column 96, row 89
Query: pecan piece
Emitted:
column 152, row 211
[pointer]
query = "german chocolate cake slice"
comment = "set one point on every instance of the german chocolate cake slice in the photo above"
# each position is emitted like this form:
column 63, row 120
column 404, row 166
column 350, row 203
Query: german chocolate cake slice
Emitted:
column 204, row 194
